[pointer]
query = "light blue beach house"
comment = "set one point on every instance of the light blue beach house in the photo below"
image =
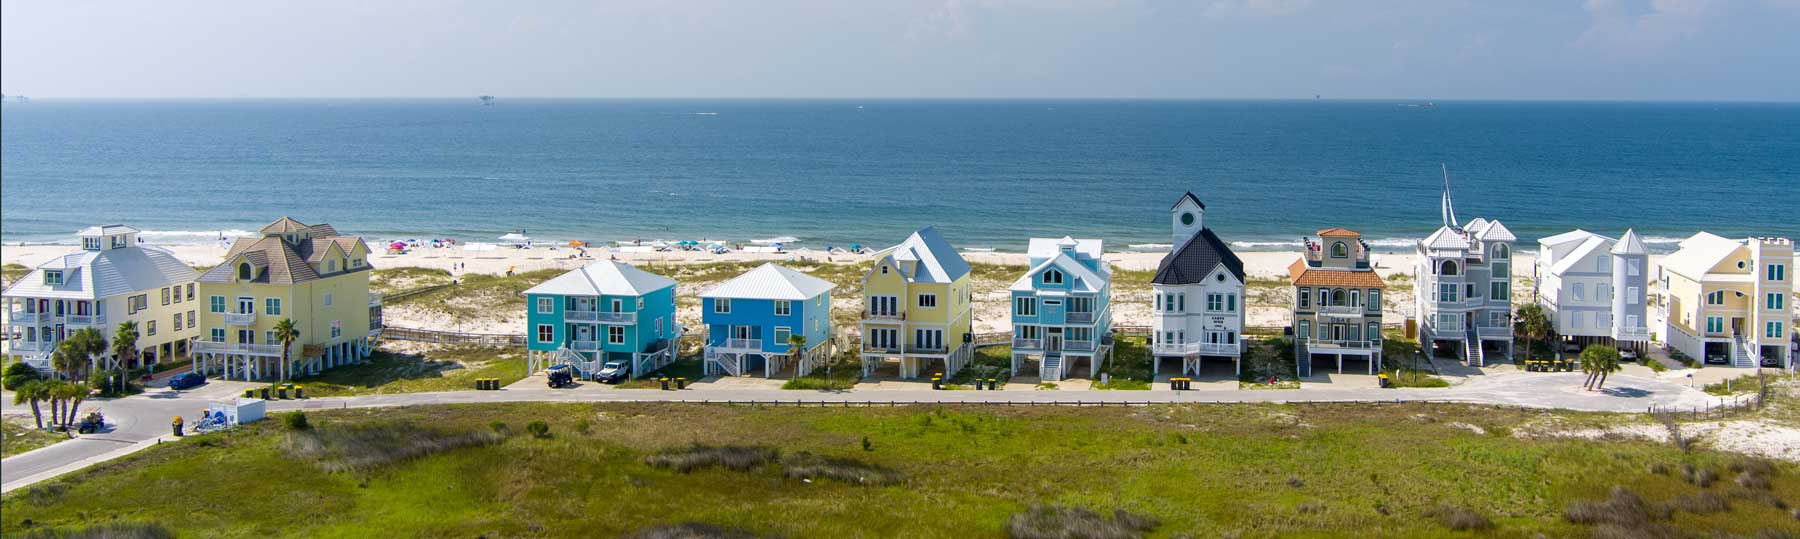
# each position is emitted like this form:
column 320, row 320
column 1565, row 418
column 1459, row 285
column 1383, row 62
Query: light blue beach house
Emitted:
column 606, row 311
column 1061, row 312
column 750, row 318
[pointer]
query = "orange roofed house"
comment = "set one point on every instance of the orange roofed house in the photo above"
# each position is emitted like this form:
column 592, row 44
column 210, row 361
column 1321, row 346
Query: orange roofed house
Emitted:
column 1337, row 302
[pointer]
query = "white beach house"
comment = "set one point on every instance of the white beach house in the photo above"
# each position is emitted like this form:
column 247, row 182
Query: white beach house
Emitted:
column 1462, row 287
column 1594, row 288
column 1198, row 294
column 111, row 280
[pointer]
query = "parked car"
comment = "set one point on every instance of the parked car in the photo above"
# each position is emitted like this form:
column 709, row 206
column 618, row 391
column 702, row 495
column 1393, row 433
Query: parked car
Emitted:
column 1717, row 359
column 613, row 372
column 561, row 376
column 186, row 380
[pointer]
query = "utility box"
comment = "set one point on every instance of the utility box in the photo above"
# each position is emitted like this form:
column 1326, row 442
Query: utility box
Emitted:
column 239, row 410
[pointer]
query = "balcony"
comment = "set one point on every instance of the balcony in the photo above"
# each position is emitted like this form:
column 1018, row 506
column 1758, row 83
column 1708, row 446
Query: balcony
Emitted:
column 18, row 346
column 1195, row 348
column 1078, row 346
column 1490, row 332
column 272, row 350
column 754, row 345
column 1079, row 318
column 926, row 350
column 600, row 317
column 585, row 345
column 1344, row 310
column 883, row 315
column 22, row 318
column 1028, row 344
column 1632, row 334
column 1339, row 344
column 868, row 348
column 85, row 319
column 240, row 319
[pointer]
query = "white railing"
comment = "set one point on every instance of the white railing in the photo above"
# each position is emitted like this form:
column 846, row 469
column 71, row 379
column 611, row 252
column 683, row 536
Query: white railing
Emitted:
column 617, row 318
column 24, row 318
column 1340, row 309
column 1028, row 344
column 926, row 349
column 1340, row 343
column 240, row 319
column 237, row 348
column 1078, row 346
column 878, row 349
column 1190, row 348
column 1226, row 349
column 584, row 345
column 1631, row 334
column 573, row 315
column 1490, row 332
column 16, row 345
column 741, row 344
column 85, row 320
column 1080, row 318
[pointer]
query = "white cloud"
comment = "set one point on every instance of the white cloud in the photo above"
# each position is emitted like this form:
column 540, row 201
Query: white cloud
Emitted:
column 1617, row 31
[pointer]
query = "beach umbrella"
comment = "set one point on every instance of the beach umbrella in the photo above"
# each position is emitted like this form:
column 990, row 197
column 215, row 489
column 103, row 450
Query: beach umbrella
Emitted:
column 856, row 247
column 577, row 243
column 397, row 245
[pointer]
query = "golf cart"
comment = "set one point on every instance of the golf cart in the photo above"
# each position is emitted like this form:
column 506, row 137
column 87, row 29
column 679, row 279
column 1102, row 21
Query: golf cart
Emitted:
column 561, row 376
column 91, row 424
column 613, row 372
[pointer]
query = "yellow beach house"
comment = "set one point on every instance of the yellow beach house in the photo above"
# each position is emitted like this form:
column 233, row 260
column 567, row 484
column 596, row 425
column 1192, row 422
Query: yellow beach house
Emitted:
column 111, row 280
column 917, row 307
column 292, row 271
column 1726, row 301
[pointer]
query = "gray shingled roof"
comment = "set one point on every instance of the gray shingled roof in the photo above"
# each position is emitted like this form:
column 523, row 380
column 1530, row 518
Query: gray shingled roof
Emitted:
column 279, row 262
column 1196, row 259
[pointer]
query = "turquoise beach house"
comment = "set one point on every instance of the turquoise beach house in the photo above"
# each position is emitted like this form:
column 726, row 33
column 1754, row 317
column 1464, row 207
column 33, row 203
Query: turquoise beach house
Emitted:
column 750, row 318
column 606, row 311
column 1061, row 311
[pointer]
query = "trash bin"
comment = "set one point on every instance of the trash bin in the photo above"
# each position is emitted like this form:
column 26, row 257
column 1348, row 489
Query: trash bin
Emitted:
column 665, row 382
column 299, row 392
column 250, row 393
column 680, row 383
column 937, row 382
column 176, row 425
column 1384, row 380
column 281, row 392
column 265, row 392
column 993, row 384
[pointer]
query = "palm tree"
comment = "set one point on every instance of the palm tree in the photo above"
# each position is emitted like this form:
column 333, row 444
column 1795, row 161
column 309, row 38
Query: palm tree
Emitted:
column 1600, row 360
column 80, row 347
column 287, row 334
column 71, row 394
column 124, row 348
column 797, row 347
column 1534, row 325
column 32, row 392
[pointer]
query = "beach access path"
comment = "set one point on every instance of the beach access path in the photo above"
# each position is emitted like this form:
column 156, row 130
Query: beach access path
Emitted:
column 142, row 421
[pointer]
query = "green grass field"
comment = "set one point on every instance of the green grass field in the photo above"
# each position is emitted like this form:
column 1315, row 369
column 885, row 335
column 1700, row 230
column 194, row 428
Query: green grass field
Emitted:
column 1197, row 470
column 442, row 368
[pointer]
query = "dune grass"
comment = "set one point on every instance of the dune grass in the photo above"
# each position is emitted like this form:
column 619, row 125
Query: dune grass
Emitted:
column 390, row 280
column 22, row 434
column 1188, row 470
column 437, row 368
column 11, row 273
column 1130, row 366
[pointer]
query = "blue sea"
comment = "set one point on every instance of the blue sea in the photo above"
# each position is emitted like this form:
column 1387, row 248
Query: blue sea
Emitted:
column 987, row 173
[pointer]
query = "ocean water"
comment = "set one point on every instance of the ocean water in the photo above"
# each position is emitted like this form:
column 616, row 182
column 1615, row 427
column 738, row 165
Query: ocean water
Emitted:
column 835, row 172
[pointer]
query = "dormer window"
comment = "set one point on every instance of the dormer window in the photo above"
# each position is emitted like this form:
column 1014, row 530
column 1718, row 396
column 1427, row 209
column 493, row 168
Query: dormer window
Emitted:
column 53, row 277
column 1339, row 250
column 884, row 269
column 90, row 243
column 1053, row 276
column 330, row 266
column 1500, row 252
column 245, row 273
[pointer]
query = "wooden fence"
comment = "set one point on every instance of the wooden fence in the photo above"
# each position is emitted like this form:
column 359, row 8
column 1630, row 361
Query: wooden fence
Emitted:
column 403, row 294
column 1724, row 407
column 451, row 337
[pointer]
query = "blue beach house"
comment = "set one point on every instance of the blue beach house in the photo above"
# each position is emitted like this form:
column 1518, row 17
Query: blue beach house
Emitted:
column 750, row 318
column 605, row 311
column 1061, row 312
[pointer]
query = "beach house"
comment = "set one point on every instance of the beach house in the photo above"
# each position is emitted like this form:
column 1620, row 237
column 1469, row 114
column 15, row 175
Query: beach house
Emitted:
column 308, row 274
column 1727, row 301
column 605, row 311
column 1462, row 287
column 113, row 279
column 1594, row 289
column 917, row 307
column 1061, row 308
column 751, row 319
column 1197, row 294
column 1337, row 302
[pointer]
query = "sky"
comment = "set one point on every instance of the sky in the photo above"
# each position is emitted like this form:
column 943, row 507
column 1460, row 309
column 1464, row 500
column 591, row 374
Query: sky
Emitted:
column 1662, row 50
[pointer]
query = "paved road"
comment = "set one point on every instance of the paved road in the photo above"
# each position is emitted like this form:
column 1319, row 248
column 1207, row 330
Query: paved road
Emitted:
column 137, row 421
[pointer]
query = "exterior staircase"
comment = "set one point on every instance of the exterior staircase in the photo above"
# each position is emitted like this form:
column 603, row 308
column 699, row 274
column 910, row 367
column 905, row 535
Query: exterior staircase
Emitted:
column 584, row 369
column 1741, row 356
column 1472, row 342
column 727, row 365
column 1302, row 359
column 1051, row 369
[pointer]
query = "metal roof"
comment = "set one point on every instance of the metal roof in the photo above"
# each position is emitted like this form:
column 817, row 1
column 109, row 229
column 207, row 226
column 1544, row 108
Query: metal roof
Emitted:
column 1089, row 280
column 605, row 277
column 101, row 274
column 938, row 261
column 1043, row 248
column 771, row 281
column 1699, row 254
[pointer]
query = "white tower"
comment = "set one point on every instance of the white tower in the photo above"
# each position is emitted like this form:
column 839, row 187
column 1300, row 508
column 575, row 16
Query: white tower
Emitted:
column 1185, row 218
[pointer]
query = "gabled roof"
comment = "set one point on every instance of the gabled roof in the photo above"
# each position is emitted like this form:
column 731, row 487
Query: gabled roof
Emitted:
column 1196, row 259
column 100, row 274
column 1493, row 231
column 1446, row 238
column 606, row 277
column 1188, row 196
column 938, row 262
column 1338, row 232
column 1049, row 247
column 1594, row 243
column 771, row 281
column 1089, row 280
column 282, row 226
column 1566, row 237
column 1699, row 254
column 280, row 262
column 1300, row 275
column 106, row 230
column 1630, row 244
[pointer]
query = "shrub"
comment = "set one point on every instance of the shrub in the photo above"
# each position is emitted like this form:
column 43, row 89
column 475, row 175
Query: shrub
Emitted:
column 810, row 466
column 499, row 427
column 731, row 457
column 691, row 530
column 1459, row 518
column 110, row 530
column 17, row 374
column 582, row 426
column 295, row 420
column 1700, row 503
column 1062, row 522
column 1307, row 508
column 359, row 447
column 866, row 445
column 538, row 429
column 1759, row 496
column 1622, row 507
column 1699, row 477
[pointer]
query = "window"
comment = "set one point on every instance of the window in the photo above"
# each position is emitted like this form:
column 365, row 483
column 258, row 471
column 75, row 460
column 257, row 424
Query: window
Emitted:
column 1215, row 302
column 272, row 306
column 928, row 339
column 1339, row 250
column 884, row 269
column 546, row 305
column 1304, row 331
column 1449, row 268
column 91, row 244
column 784, row 308
column 150, row 327
column 1355, row 298
column 1575, row 319
column 1168, row 303
column 1447, row 292
column 337, row 329
column 1181, row 302
column 884, row 305
column 1053, row 276
column 1231, row 303
column 327, row 299
column 165, row 295
column 1501, row 270
column 1324, row 297
column 1579, row 291
column 615, row 334
column 1715, row 324
column 1631, row 295
column 928, row 301
column 1375, row 300
column 546, row 333
column 1716, row 298
column 1634, row 267
column 177, row 322
column 177, row 293
column 139, row 302
column 244, row 272
column 1081, row 305
column 330, row 266
column 1501, row 252
column 618, row 306
column 722, row 305
column 1374, row 331
column 1776, row 301
column 269, row 336
column 1025, row 306
column 1776, row 272
column 246, row 336
column 53, row 277
column 1187, row 219
column 1774, row 331
column 782, row 334
column 218, row 335
column 1500, row 291
column 216, row 304
column 1601, row 264
column 192, row 319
